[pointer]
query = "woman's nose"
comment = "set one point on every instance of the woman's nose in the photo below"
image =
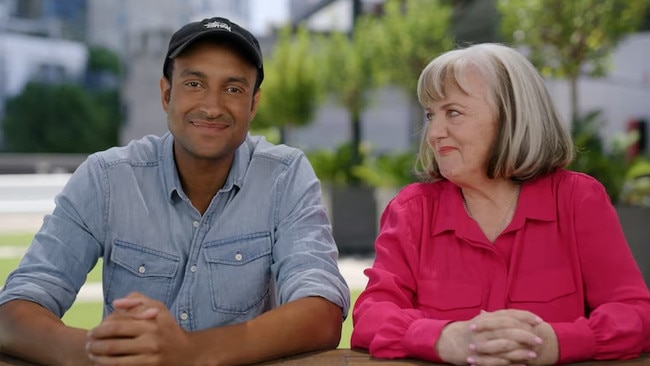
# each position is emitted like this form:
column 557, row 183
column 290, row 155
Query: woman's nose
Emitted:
column 436, row 129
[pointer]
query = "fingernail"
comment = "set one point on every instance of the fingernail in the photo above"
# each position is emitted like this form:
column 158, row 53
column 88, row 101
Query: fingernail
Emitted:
column 532, row 354
column 472, row 347
column 538, row 340
column 472, row 327
column 483, row 311
column 539, row 320
column 471, row 361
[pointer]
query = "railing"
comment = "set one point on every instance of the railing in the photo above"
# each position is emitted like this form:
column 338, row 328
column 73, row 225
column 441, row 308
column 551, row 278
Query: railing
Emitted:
column 30, row 193
column 16, row 163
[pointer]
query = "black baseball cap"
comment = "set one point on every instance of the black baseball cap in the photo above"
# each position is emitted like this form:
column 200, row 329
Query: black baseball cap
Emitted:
column 216, row 28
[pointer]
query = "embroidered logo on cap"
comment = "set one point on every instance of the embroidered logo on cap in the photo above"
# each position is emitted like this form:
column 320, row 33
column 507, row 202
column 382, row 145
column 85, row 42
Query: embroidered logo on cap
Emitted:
column 219, row 25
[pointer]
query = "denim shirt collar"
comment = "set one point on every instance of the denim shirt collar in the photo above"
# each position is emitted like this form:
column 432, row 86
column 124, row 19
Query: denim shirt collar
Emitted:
column 172, row 179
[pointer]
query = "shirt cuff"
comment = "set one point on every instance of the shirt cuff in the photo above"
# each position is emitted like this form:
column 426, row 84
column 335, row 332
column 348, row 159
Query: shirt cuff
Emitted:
column 575, row 341
column 421, row 338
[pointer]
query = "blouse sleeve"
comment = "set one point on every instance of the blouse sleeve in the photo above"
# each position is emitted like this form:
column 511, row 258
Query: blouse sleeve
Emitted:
column 617, row 325
column 385, row 319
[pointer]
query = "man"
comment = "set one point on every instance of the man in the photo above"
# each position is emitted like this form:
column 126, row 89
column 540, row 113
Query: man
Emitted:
column 216, row 247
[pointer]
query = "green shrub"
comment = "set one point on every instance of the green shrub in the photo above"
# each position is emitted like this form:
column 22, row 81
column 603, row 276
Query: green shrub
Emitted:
column 636, row 189
column 384, row 170
column 608, row 165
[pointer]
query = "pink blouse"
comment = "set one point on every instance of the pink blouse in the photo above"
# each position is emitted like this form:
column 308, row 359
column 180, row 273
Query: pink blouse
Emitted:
column 563, row 257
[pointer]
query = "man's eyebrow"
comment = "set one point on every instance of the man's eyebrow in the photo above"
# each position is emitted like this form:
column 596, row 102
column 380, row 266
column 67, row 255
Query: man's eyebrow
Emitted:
column 198, row 74
column 238, row 79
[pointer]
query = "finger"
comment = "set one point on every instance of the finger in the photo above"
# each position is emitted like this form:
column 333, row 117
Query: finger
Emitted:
column 126, row 360
column 136, row 308
column 486, row 360
column 111, row 347
column 141, row 312
column 502, row 345
column 148, row 313
column 518, row 336
column 521, row 315
column 133, row 299
column 123, row 327
column 518, row 356
column 495, row 346
column 127, row 303
column 501, row 320
column 493, row 322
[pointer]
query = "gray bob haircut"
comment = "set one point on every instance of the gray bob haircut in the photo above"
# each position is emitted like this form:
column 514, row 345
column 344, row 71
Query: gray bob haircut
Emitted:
column 530, row 141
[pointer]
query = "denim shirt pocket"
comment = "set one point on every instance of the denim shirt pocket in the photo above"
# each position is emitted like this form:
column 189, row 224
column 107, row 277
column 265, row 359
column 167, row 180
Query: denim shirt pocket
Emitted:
column 144, row 270
column 240, row 272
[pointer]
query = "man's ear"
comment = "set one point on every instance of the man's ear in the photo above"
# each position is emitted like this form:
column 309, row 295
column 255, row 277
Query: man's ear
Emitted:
column 255, row 102
column 165, row 92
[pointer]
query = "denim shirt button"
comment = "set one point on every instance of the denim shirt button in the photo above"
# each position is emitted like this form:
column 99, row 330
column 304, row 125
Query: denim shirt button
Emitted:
column 193, row 269
column 184, row 316
column 195, row 224
column 238, row 256
column 142, row 269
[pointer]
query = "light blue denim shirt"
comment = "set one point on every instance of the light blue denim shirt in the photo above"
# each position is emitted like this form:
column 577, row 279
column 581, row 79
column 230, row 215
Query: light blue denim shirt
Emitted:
column 264, row 240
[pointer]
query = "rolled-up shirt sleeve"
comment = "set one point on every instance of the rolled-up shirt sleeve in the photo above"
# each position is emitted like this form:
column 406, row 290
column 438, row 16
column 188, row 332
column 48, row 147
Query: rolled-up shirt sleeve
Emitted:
column 304, row 253
column 67, row 246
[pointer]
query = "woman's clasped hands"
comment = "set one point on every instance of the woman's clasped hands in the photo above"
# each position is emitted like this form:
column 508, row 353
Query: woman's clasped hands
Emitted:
column 503, row 337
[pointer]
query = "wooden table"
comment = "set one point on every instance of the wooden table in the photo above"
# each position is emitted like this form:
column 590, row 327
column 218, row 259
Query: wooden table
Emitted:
column 347, row 357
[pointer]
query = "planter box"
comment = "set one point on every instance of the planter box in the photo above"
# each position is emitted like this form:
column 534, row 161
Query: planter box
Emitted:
column 635, row 221
column 352, row 211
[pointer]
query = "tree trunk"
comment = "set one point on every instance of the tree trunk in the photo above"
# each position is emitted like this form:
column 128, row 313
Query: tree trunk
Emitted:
column 355, row 145
column 573, row 107
column 284, row 132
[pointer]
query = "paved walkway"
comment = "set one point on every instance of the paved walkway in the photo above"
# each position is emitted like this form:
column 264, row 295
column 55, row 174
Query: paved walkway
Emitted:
column 20, row 222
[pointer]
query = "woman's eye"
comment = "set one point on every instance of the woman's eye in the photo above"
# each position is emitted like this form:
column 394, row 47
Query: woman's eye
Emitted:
column 453, row 113
column 429, row 116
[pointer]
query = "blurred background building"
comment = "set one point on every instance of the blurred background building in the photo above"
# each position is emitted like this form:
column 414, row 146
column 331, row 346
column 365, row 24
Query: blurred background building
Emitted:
column 40, row 41
column 51, row 41
column 48, row 40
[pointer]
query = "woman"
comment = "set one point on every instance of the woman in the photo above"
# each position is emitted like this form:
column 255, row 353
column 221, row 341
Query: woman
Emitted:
column 502, row 256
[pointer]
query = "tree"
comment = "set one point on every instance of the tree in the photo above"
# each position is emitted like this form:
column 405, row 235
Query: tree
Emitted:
column 351, row 76
column 68, row 118
column 55, row 119
column 412, row 32
column 101, row 59
column 570, row 38
column 293, row 85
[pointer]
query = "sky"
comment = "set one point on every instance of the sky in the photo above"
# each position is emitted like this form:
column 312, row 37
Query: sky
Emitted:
column 265, row 13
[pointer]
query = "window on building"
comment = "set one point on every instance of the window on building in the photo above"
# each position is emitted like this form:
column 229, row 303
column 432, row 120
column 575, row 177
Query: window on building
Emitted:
column 49, row 74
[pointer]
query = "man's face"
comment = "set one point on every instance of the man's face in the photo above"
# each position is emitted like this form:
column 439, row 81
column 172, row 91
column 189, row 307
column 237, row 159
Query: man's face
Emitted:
column 209, row 103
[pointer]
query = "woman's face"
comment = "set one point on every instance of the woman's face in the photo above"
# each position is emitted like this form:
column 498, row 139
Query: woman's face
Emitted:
column 461, row 130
